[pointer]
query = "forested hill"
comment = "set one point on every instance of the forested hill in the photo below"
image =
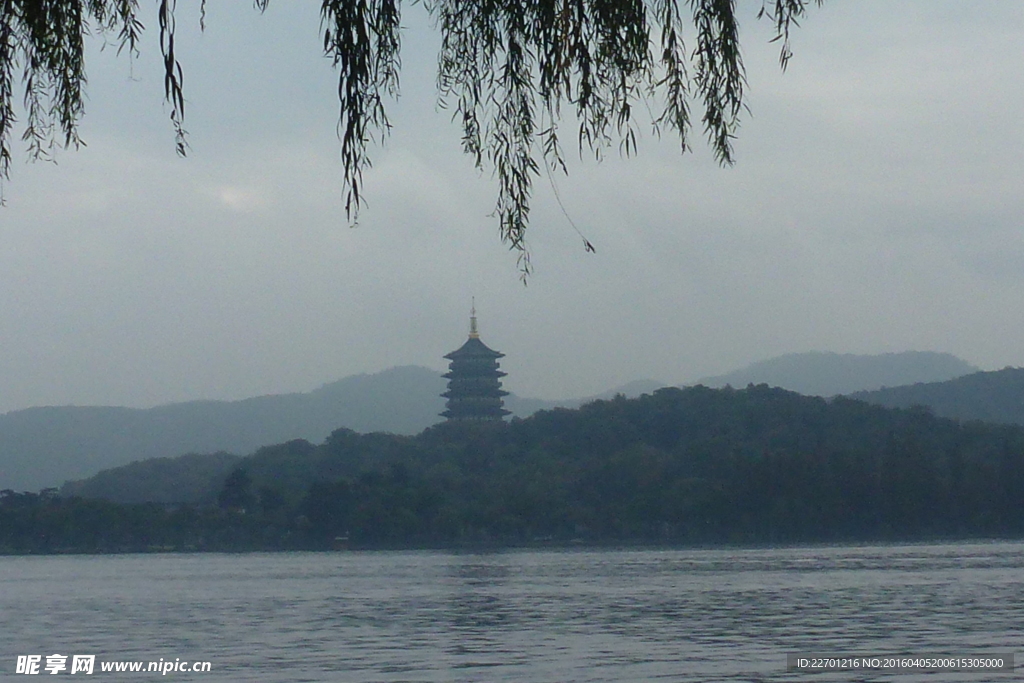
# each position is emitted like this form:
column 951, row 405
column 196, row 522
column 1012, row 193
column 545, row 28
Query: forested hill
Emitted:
column 687, row 466
column 43, row 447
column 48, row 446
column 996, row 396
column 818, row 373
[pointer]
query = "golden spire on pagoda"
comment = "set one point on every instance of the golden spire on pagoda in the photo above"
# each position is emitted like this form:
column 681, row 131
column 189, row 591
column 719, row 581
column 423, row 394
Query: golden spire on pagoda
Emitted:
column 473, row 334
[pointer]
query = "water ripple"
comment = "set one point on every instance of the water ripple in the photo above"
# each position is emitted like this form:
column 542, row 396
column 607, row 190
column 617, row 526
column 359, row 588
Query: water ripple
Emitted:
column 552, row 616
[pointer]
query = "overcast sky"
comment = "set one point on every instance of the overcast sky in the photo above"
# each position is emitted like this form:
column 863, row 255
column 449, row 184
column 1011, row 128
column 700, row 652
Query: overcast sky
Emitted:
column 876, row 206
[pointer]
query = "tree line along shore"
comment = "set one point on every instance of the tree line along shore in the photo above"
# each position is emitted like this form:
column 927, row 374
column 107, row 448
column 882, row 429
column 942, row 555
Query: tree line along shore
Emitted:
column 681, row 467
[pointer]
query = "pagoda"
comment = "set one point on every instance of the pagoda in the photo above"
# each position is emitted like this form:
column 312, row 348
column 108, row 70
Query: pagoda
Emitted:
column 474, row 380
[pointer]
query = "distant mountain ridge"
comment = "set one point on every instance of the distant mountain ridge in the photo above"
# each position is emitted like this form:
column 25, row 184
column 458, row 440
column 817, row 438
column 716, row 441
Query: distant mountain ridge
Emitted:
column 989, row 396
column 190, row 478
column 42, row 447
column 996, row 396
column 820, row 373
column 692, row 467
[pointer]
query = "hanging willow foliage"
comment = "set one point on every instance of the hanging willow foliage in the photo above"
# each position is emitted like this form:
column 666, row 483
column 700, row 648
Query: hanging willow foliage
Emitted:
column 506, row 68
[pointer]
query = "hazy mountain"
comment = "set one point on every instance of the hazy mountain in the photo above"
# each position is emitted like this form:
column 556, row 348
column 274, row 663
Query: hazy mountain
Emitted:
column 524, row 407
column 696, row 466
column 633, row 389
column 820, row 373
column 42, row 447
column 990, row 396
column 46, row 446
column 188, row 478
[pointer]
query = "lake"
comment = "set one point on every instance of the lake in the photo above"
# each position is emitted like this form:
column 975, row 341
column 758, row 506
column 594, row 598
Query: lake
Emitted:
column 519, row 615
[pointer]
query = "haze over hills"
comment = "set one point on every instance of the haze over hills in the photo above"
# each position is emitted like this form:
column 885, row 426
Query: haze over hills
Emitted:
column 191, row 478
column 996, row 396
column 819, row 373
column 691, row 466
column 42, row 447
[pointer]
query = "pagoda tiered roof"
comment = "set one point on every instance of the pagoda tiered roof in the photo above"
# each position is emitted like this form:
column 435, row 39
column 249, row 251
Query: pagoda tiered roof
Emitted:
column 474, row 348
column 474, row 381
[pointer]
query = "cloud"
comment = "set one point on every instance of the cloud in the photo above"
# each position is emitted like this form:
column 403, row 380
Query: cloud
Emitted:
column 242, row 199
column 875, row 206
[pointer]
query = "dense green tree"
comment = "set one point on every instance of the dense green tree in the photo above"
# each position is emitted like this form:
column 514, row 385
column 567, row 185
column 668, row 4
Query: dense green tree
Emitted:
column 327, row 506
column 506, row 69
column 693, row 466
column 237, row 493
